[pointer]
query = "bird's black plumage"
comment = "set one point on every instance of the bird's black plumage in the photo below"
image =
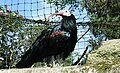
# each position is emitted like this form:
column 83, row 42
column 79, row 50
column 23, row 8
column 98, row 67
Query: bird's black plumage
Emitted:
column 52, row 41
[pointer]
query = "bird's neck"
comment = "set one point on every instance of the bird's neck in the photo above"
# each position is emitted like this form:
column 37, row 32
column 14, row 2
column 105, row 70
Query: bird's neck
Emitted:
column 69, row 25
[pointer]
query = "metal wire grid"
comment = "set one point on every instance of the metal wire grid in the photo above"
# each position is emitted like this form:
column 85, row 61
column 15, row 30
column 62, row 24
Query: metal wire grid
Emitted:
column 40, row 10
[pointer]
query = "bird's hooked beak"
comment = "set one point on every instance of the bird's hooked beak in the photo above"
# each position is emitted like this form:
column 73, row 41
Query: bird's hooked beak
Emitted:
column 62, row 13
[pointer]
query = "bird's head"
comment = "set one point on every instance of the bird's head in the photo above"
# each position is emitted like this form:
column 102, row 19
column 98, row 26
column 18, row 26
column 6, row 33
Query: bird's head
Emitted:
column 61, row 13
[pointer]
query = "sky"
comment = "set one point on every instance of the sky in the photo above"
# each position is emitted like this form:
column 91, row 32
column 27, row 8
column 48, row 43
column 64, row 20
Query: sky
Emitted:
column 38, row 9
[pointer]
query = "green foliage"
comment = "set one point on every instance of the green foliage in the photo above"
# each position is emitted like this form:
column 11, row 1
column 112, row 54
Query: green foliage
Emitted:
column 16, row 36
column 61, row 4
column 106, row 15
column 102, row 8
column 1, row 8
column 105, row 19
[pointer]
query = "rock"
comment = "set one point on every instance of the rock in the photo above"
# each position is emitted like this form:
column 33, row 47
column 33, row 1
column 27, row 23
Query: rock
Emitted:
column 106, row 57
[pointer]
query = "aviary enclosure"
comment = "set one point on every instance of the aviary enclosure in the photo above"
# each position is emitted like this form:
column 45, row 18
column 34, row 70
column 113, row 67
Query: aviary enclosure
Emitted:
column 21, row 21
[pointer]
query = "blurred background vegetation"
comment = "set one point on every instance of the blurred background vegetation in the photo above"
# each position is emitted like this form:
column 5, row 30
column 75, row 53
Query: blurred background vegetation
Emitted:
column 17, row 32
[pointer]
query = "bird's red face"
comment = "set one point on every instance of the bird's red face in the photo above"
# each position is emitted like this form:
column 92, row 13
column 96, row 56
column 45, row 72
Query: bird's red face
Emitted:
column 62, row 13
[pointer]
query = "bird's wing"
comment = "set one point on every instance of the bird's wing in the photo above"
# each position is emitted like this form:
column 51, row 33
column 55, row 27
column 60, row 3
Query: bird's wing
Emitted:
column 49, row 40
column 49, row 33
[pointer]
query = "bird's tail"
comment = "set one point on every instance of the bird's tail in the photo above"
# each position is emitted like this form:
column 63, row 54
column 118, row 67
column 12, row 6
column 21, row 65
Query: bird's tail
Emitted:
column 26, row 61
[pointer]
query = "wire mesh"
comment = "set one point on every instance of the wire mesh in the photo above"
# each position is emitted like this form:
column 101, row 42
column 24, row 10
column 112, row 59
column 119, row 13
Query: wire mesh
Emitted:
column 24, row 18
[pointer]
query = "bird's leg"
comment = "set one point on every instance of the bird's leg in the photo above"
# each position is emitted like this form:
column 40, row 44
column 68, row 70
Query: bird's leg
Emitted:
column 59, row 61
column 47, row 62
column 56, row 61
column 53, row 61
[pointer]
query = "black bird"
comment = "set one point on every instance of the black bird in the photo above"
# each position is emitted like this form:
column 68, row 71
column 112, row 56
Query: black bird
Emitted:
column 55, row 40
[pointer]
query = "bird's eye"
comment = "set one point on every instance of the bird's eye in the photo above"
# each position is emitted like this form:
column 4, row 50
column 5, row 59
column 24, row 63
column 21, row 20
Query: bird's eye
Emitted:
column 66, row 11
